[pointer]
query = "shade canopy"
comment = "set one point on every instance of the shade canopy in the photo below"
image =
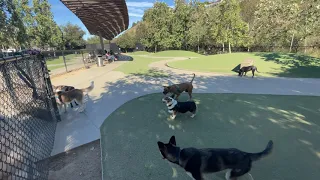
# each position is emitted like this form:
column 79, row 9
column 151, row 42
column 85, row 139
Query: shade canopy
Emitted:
column 107, row 18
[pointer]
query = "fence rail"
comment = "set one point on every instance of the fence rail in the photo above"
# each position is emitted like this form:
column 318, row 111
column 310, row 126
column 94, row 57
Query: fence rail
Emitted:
column 28, row 117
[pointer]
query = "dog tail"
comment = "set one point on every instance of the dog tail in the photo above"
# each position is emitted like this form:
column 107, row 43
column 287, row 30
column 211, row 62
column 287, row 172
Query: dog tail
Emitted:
column 194, row 75
column 257, row 70
column 262, row 154
column 88, row 89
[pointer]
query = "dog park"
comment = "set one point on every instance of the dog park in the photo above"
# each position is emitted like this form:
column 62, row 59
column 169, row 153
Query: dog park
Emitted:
column 210, row 109
column 233, row 112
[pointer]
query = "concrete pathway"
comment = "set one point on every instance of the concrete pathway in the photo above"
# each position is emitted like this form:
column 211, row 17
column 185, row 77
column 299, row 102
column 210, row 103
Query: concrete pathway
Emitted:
column 112, row 89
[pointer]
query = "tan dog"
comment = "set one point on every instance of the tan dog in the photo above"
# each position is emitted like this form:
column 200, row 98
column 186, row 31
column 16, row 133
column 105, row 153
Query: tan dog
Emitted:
column 64, row 97
column 177, row 89
column 64, row 88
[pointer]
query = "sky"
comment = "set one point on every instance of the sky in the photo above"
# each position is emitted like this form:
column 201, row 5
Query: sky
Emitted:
column 136, row 8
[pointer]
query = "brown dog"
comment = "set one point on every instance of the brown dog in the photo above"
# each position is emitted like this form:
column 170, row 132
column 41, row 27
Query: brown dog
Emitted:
column 64, row 88
column 177, row 89
column 64, row 97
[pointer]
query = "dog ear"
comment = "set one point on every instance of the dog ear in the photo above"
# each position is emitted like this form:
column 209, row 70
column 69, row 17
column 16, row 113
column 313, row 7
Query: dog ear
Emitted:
column 161, row 145
column 172, row 140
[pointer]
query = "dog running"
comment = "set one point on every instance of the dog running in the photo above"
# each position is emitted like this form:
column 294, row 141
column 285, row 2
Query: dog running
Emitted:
column 64, row 97
column 246, row 69
column 177, row 89
column 64, row 88
column 175, row 107
column 210, row 160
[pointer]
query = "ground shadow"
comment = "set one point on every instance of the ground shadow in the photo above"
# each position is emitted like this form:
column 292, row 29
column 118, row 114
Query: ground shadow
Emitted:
column 236, row 69
column 294, row 65
column 129, row 135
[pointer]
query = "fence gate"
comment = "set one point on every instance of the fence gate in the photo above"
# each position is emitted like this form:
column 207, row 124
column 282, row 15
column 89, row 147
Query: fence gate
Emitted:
column 28, row 118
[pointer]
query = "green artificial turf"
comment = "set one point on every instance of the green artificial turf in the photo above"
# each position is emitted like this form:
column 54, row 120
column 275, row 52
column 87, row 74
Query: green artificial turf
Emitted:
column 129, row 135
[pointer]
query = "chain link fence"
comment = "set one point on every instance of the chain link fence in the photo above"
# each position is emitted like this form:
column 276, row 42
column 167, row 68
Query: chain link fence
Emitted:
column 28, row 118
column 60, row 62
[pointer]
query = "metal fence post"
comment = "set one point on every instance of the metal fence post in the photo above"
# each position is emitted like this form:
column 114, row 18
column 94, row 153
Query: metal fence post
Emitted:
column 64, row 60
column 50, row 92
column 84, row 63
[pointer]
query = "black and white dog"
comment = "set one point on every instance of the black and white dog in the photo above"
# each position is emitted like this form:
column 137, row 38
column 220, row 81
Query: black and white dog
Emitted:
column 210, row 160
column 175, row 107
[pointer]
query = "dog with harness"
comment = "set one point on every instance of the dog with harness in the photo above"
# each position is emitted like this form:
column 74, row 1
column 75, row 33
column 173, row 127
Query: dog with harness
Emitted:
column 175, row 107
column 177, row 89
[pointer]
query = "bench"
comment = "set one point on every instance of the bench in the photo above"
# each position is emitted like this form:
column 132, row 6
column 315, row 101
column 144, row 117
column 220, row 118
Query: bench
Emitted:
column 247, row 62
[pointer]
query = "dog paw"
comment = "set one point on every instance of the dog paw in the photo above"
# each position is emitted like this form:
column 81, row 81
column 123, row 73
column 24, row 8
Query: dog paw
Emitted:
column 193, row 115
column 228, row 174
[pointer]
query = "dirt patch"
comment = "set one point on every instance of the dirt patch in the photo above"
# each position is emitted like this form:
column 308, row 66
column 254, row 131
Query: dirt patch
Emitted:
column 81, row 163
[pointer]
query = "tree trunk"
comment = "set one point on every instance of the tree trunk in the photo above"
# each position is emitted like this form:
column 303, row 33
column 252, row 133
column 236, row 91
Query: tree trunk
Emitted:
column 222, row 47
column 198, row 45
column 155, row 49
column 248, row 49
column 229, row 47
column 291, row 43
column 305, row 45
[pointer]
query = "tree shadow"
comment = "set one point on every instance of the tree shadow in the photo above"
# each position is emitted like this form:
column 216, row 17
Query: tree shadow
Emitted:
column 294, row 65
column 154, row 73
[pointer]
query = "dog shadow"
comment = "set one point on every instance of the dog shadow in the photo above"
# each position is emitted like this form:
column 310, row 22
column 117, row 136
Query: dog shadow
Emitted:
column 236, row 69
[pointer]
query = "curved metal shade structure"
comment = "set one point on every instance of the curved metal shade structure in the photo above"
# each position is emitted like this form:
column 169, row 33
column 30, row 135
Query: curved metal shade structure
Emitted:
column 106, row 18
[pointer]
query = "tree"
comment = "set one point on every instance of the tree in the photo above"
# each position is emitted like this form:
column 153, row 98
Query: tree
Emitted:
column 12, row 29
column 44, row 28
column 126, row 41
column 308, row 19
column 179, row 24
column 73, row 36
column 231, row 29
column 96, row 40
column 248, row 8
column 156, row 26
column 275, row 22
column 198, row 26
